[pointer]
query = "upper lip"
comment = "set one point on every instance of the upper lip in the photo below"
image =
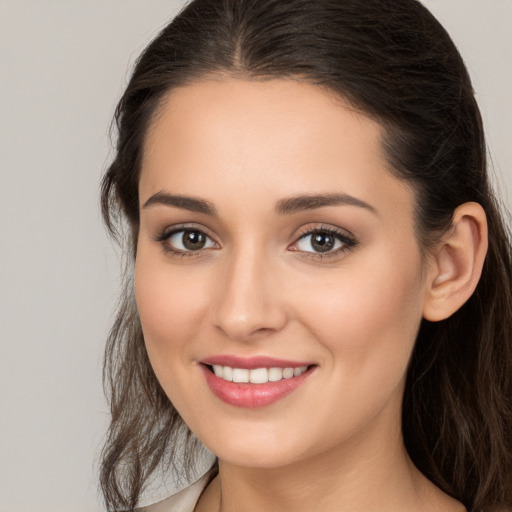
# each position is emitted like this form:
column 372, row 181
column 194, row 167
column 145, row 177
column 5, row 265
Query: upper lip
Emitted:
column 251, row 363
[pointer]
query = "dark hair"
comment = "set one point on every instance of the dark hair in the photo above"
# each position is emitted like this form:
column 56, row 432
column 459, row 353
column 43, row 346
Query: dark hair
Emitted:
column 392, row 60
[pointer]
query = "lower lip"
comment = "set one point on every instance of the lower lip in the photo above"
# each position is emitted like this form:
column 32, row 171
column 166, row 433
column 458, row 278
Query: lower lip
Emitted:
column 241, row 394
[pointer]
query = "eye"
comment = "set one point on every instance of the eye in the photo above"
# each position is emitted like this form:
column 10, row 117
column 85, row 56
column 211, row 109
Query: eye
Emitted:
column 323, row 241
column 187, row 240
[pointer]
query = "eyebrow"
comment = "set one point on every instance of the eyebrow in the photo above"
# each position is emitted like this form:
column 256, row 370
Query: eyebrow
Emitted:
column 283, row 207
column 192, row 204
column 310, row 202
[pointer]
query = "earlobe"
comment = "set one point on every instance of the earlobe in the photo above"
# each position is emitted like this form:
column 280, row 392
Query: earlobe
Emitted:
column 457, row 263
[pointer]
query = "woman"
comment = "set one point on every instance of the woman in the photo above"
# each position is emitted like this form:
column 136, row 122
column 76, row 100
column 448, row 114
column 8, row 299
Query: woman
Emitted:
column 322, row 278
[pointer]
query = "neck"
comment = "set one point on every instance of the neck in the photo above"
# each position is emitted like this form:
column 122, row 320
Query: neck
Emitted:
column 369, row 471
column 331, row 481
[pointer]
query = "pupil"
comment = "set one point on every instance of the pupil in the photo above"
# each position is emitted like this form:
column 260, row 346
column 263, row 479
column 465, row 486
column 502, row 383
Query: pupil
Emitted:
column 322, row 242
column 193, row 240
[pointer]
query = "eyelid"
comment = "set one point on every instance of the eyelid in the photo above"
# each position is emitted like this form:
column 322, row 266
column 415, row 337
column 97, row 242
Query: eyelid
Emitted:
column 167, row 232
column 347, row 239
column 311, row 228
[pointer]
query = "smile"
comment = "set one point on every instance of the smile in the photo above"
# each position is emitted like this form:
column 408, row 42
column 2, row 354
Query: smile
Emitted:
column 257, row 375
column 255, row 382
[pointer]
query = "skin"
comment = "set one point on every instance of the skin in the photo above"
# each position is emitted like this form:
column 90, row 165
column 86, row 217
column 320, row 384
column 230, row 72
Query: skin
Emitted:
column 259, row 288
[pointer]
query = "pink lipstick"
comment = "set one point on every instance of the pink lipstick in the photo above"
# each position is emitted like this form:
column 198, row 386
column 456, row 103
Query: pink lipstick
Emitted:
column 253, row 382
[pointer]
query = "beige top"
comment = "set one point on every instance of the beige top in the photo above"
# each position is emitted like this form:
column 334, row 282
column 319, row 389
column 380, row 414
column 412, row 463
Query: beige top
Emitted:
column 182, row 501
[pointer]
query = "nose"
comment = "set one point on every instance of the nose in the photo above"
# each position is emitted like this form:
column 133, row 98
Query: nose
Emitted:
column 249, row 305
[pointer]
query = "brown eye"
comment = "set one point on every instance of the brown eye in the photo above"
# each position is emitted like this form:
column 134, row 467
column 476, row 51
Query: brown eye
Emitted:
column 193, row 240
column 320, row 241
column 186, row 240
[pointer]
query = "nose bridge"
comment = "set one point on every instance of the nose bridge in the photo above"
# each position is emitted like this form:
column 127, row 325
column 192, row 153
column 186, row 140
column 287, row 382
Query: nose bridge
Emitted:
column 248, row 303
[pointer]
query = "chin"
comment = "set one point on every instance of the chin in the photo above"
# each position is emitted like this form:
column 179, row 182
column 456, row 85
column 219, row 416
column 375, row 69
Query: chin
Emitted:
column 271, row 449
column 256, row 457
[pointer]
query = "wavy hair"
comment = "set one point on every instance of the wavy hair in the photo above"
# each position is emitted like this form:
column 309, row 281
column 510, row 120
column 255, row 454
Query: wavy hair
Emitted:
column 392, row 60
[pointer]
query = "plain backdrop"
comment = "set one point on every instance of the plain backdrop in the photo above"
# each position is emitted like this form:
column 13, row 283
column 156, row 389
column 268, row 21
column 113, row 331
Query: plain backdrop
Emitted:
column 63, row 65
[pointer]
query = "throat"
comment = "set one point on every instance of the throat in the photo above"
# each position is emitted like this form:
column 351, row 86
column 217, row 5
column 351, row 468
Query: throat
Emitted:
column 303, row 487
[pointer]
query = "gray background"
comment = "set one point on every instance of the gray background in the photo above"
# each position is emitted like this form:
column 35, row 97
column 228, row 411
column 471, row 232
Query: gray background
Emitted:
column 63, row 65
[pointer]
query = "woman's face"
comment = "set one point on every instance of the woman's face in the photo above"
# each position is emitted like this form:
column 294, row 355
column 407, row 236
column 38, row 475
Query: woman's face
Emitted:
column 272, row 236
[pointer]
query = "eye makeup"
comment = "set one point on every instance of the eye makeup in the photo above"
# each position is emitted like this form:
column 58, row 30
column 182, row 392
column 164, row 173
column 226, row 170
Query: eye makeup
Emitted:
column 318, row 242
column 325, row 241
column 186, row 240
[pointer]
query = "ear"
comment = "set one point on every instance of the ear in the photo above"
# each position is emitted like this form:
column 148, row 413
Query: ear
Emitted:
column 456, row 264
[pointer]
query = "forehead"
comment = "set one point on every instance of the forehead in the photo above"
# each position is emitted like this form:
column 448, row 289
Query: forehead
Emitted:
column 276, row 137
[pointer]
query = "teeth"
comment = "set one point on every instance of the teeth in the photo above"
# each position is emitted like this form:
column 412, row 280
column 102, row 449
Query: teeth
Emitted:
column 287, row 373
column 227, row 373
column 240, row 375
column 258, row 375
column 275, row 374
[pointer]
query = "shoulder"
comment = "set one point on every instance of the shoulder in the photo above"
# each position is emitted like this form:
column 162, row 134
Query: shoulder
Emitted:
column 184, row 500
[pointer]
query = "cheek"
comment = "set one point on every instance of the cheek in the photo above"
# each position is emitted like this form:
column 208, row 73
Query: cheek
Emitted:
column 368, row 327
column 369, row 319
column 171, row 306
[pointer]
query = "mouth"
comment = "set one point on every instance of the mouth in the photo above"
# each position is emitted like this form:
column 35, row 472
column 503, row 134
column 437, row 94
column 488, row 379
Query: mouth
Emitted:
column 246, row 385
column 256, row 375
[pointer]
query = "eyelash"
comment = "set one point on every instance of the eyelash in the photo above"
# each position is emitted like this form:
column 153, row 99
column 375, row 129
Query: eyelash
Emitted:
column 166, row 234
column 348, row 242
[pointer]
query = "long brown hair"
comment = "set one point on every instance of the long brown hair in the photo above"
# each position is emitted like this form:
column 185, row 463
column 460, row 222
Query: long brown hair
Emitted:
column 392, row 60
